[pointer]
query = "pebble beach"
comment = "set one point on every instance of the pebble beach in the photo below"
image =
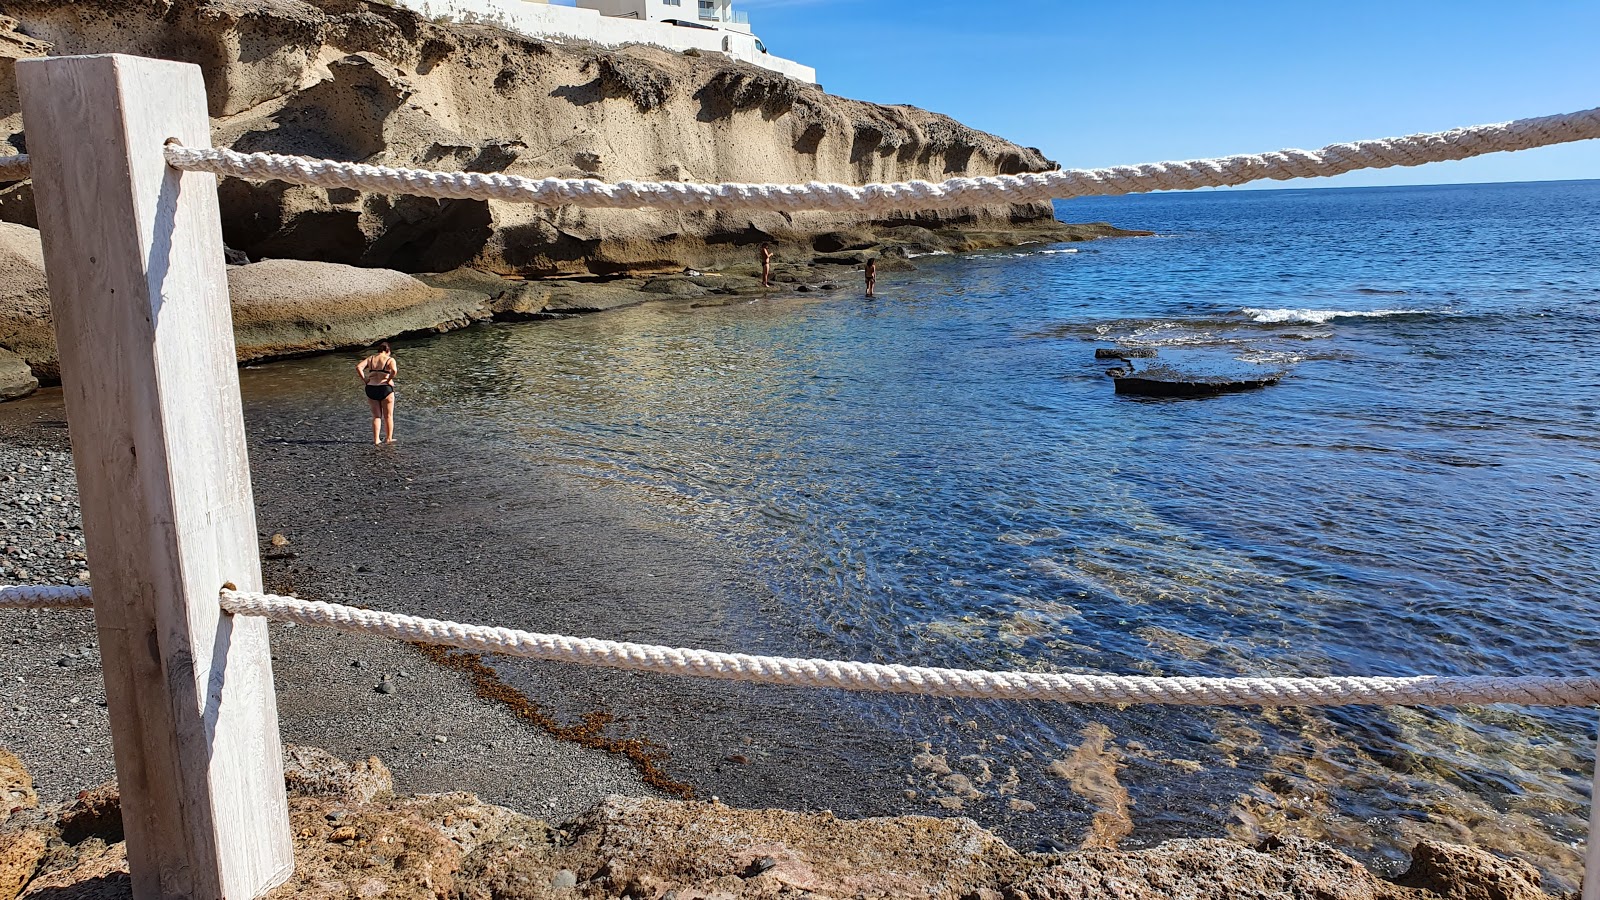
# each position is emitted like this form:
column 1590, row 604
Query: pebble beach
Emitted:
column 431, row 727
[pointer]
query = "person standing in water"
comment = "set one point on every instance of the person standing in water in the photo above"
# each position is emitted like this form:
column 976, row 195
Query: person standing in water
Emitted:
column 766, row 265
column 872, row 278
column 377, row 373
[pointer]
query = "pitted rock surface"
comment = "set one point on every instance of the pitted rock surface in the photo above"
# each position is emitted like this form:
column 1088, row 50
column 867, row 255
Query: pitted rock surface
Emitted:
column 354, row 838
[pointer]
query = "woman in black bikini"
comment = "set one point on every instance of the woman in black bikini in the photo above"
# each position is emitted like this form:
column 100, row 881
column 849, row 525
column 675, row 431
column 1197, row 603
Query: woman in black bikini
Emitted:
column 377, row 373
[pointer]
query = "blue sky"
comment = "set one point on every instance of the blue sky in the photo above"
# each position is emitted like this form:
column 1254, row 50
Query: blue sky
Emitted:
column 1096, row 84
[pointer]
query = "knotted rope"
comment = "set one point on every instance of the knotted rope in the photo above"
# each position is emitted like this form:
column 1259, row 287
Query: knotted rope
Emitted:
column 1423, row 690
column 1335, row 159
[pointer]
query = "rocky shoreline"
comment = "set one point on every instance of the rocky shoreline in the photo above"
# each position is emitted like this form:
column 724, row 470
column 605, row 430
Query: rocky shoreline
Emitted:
column 364, row 81
column 434, row 727
column 441, row 732
column 288, row 308
column 355, row 836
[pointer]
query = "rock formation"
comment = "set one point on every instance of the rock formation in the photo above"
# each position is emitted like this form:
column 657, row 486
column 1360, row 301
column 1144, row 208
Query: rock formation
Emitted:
column 360, row 80
column 355, row 838
column 27, row 341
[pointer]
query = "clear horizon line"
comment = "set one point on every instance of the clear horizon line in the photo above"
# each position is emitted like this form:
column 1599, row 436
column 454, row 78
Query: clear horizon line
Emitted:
column 1293, row 186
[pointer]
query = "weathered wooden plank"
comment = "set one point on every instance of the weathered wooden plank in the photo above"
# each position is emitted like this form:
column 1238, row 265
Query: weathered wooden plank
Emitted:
column 133, row 251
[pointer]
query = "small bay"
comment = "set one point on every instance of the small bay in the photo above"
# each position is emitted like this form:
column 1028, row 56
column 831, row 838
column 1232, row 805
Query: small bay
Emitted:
column 943, row 476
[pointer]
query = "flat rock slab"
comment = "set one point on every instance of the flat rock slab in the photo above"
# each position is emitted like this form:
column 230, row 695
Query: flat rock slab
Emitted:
column 1142, row 385
column 1124, row 352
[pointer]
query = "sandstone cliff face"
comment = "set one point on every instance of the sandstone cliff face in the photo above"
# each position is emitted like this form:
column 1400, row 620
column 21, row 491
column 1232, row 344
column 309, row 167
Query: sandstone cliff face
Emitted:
column 359, row 80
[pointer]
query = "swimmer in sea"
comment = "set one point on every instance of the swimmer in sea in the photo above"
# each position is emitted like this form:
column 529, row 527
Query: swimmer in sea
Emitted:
column 377, row 373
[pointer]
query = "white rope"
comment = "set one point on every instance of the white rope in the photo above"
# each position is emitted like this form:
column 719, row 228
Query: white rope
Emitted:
column 1424, row 690
column 15, row 168
column 856, row 676
column 1335, row 159
column 44, row 596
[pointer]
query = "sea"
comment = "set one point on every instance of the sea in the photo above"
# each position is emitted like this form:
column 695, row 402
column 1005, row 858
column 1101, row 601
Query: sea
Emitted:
column 944, row 476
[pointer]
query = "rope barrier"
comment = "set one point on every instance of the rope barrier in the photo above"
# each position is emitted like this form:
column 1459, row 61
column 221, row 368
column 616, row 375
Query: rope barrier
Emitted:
column 45, row 596
column 1423, row 690
column 1335, row 159
column 1040, row 187
column 857, row 676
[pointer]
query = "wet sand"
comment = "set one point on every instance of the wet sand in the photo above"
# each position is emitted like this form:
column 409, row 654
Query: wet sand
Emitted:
column 449, row 524
column 453, row 524
column 433, row 730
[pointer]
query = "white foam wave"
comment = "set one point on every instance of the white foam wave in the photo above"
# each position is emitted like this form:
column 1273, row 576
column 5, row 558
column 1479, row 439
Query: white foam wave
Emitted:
column 1320, row 316
column 929, row 253
column 1063, row 250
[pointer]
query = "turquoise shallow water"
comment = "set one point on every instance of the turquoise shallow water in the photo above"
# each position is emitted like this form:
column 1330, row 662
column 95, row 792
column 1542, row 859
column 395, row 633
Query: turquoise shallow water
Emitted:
column 945, row 477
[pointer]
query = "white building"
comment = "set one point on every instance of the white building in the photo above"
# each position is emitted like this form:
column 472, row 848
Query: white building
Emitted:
column 706, row 25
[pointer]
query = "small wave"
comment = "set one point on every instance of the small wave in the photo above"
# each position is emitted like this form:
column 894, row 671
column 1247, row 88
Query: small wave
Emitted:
column 1380, row 292
column 1321, row 316
column 929, row 253
column 1063, row 250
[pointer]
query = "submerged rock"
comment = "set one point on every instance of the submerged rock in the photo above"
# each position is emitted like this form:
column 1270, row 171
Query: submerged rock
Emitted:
column 1150, row 383
column 1124, row 352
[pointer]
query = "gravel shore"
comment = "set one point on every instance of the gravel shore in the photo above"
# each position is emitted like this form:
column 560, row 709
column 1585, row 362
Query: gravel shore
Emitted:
column 431, row 729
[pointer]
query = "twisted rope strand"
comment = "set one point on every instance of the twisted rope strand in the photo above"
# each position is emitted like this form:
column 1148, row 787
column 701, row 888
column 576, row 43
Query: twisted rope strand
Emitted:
column 1335, row 159
column 44, row 596
column 857, row 676
column 1425, row 690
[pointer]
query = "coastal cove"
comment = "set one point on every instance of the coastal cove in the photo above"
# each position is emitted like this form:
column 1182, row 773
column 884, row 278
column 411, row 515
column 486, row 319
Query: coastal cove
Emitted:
column 944, row 477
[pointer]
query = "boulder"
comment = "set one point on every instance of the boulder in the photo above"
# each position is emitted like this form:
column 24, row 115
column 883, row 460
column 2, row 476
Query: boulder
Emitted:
column 310, row 772
column 25, row 328
column 1453, row 872
column 289, row 307
column 20, row 855
column 677, row 286
column 16, row 376
column 1159, row 383
column 280, row 308
column 95, row 813
column 839, row 241
column 708, row 849
column 16, row 786
column 1217, row 870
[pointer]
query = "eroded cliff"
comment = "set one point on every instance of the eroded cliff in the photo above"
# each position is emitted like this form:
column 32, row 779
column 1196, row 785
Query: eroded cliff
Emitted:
column 358, row 80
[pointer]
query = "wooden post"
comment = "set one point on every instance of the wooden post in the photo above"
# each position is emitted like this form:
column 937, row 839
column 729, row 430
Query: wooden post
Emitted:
column 138, row 289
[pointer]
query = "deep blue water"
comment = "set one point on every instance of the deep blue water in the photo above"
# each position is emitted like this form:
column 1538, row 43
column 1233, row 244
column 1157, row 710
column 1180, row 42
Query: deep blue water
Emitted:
column 944, row 476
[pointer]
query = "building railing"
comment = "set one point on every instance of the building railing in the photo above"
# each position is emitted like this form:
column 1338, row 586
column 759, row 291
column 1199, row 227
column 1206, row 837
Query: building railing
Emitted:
column 128, row 214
